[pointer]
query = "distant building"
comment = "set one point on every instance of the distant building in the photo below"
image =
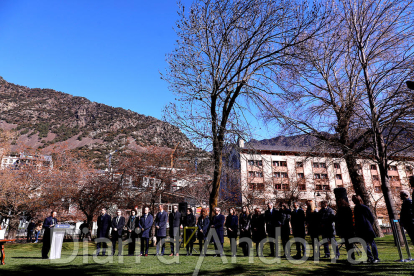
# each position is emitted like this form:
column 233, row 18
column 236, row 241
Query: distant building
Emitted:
column 283, row 173
column 15, row 161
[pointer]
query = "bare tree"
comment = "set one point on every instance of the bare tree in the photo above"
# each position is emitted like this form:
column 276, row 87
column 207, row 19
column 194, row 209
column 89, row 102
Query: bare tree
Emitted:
column 351, row 84
column 225, row 57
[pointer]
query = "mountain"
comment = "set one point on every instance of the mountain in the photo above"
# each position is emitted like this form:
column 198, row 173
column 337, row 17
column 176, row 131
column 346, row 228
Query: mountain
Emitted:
column 43, row 118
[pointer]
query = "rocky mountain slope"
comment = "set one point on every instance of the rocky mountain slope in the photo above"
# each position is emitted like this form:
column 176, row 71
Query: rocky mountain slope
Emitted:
column 45, row 117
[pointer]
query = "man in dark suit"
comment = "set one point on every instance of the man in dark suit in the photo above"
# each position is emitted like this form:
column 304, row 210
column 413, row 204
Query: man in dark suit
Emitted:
column 118, row 224
column 161, row 229
column 284, row 226
column 104, row 223
column 217, row 222
column 272, row 220
column 48, row 224
column 145, row 224
column 132, row 235
column 298, row 228
column 30, row 230
column 174, row 220
column 406, row 214
column 327, row 217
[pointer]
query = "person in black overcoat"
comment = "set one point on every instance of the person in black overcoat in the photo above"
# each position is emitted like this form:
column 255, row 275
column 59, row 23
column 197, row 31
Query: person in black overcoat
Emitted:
column 217, row 223
column 132, row 223
column 203, row 225
column 48, row 224
column 145, row 224
column 297, row 219
column 285, row 227
column 363, row 228
column 189, row 221
column 118, row 224
column 104, row 224
column 273, row 219
column 312, row 222
column 160, row 229
column 344, row 224
column 327, row 229
column 244, row 223
column 258, row 230
column 232, row 225
column 406, row 215
column 174, row 220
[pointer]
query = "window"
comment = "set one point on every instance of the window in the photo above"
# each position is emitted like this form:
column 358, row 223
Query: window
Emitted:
column 324, row 176
column 299, row 164
column 256, row 186
column 302, row 187
column 259, row 174
column 316, row 165
column 284, row 175
column 251, row 174
column 255, row 162
column 394, row 178
column 318, row 187
column 393, row 168
column 375, row 177
column 322, row 165
column 340, row 186
column 338, row 176
column 301, row 176
column 337, row 166
column 317, row 176
column 276, row 174
column 278, row 186
column 325, row 187
column 285, row 187
column 377, row 189
column 279, row 163
column 373, row 167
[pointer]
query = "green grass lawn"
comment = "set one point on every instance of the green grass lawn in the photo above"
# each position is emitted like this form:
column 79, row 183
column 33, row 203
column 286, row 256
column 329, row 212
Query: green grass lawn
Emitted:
column 24, row 259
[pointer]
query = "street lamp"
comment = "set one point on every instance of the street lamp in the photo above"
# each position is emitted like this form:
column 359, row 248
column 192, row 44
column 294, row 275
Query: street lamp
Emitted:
column 410, row 84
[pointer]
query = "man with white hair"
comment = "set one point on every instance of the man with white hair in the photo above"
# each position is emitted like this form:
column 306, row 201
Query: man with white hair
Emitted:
column 406, row 215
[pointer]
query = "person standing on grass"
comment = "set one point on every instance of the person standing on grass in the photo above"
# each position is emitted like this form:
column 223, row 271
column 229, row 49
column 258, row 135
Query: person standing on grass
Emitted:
column 312, row 223
column 245, row 220
column 232, row 224
column 285, row 227
column 189, row 221
column 104, row 223
column 161, row 229
column 406, row 214
column 344, row 223
column 203, row 225
column 145, row 224
column 174, row 220
column 30, row 229
column 132, row 223
column 298, row 228
column 327, row 229
column 258, row 230
column 48, row 224
column 118, row 224
column 272, row 219
column 217, row 222
column 363, row 228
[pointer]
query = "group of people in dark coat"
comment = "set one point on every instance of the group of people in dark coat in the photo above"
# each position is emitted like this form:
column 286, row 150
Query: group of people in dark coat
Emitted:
column 347, row 224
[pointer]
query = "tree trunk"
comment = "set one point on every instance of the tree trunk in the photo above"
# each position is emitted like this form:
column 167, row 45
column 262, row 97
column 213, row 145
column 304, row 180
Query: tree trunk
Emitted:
column 360, row 189
column 389, row 201
column 13, row 227
column 218, row 164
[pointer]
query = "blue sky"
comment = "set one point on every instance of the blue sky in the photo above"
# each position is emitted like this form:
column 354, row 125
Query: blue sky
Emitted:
column 110, row 52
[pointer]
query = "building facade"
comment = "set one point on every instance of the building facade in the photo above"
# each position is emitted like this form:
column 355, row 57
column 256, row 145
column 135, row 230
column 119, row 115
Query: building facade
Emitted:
column 283, row 174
